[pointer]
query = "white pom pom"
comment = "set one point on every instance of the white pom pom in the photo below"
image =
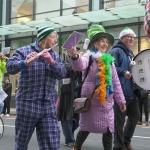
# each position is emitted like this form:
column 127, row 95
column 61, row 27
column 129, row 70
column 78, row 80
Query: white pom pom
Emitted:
column 86, row 43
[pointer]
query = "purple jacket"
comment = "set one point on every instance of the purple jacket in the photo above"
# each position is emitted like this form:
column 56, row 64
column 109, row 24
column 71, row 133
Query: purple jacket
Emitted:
column 100, row 116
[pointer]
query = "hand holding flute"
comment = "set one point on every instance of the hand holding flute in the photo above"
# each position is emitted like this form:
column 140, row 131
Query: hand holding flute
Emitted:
column 48, row 58
column 32, row 57
column 3, row 57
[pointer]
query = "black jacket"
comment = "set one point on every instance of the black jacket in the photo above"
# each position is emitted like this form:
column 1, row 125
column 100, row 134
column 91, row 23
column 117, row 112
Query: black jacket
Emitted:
column 7, row 87
column 65, row 109
column 141, row 93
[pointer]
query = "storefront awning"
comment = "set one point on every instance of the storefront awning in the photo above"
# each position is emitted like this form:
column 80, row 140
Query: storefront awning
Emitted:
column 108, row 14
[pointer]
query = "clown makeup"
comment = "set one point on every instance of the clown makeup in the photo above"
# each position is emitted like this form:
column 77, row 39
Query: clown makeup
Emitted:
column 102, row 44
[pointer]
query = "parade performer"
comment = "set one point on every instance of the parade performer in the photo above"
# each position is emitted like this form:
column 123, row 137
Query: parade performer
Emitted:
column 102, row 75
column 123, row 55
column 35, row 100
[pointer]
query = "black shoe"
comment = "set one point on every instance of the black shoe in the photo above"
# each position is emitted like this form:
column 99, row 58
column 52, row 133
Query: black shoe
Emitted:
column 128, row 147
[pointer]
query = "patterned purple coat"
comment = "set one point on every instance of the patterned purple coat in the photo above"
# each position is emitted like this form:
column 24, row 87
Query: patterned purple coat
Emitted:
column 100, row 116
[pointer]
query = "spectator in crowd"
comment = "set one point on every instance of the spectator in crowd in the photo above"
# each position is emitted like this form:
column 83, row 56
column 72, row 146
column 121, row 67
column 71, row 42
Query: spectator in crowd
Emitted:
column 65, row 112
column 123, row 57
column 35, row 100
column 7, row 87
column 100, row 117
column 2, row 70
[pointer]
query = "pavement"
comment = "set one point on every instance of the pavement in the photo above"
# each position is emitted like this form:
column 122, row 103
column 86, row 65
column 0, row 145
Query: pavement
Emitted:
column 13, row 113
column 140, row 140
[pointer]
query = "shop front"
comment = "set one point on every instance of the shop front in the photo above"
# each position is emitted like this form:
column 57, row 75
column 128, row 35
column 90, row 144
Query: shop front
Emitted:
column 67, row 16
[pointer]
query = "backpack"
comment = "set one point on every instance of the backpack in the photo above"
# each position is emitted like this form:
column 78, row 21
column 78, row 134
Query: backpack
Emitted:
column 78, row 80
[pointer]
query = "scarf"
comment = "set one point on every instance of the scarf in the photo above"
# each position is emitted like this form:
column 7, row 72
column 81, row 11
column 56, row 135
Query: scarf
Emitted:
column 103, row 75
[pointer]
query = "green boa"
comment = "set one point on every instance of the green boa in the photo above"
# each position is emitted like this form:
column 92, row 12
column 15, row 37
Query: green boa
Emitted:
column 108, row 59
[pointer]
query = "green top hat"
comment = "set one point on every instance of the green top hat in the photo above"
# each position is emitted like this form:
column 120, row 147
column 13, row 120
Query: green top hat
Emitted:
column 94, row 32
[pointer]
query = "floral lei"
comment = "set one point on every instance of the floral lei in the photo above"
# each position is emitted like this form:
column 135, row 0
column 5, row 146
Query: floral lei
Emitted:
column 104, row 75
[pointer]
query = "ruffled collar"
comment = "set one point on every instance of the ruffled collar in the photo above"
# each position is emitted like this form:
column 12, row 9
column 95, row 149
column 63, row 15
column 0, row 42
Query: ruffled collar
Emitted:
column 95, row 54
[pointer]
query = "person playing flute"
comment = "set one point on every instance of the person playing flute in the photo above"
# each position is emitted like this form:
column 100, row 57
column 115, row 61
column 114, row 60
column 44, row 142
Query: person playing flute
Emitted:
column 35, row 100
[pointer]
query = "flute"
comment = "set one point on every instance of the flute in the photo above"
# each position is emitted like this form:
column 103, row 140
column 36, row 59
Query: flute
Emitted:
column 39, row 54
column 6, row 58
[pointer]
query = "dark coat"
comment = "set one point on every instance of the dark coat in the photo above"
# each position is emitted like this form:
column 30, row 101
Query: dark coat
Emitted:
column 65, row 106
column 122, row 64
column 141, row 93
column 7, row 87
column 99, row 117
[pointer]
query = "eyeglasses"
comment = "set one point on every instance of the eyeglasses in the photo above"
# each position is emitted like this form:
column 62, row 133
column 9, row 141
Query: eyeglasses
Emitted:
column 130, row 37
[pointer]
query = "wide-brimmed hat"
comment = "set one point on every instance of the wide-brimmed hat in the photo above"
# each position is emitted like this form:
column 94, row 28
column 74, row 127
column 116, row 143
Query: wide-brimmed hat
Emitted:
column 94, row 32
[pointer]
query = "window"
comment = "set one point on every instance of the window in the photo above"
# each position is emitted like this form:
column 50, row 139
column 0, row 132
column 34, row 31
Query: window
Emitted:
column 75, row 6
column 74, row 3
column 19, row 43
column 144, row 43
column 21, row 8
column 116, row 3
column 47, row 15
column 21, row 19
column 76, row 10
column 42, row 6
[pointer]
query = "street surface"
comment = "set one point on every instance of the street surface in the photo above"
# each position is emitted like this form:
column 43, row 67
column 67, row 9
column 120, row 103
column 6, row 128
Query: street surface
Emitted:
column 140, row 141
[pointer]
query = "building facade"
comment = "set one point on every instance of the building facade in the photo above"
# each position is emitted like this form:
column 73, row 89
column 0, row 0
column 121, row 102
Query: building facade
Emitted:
column 15, row 13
